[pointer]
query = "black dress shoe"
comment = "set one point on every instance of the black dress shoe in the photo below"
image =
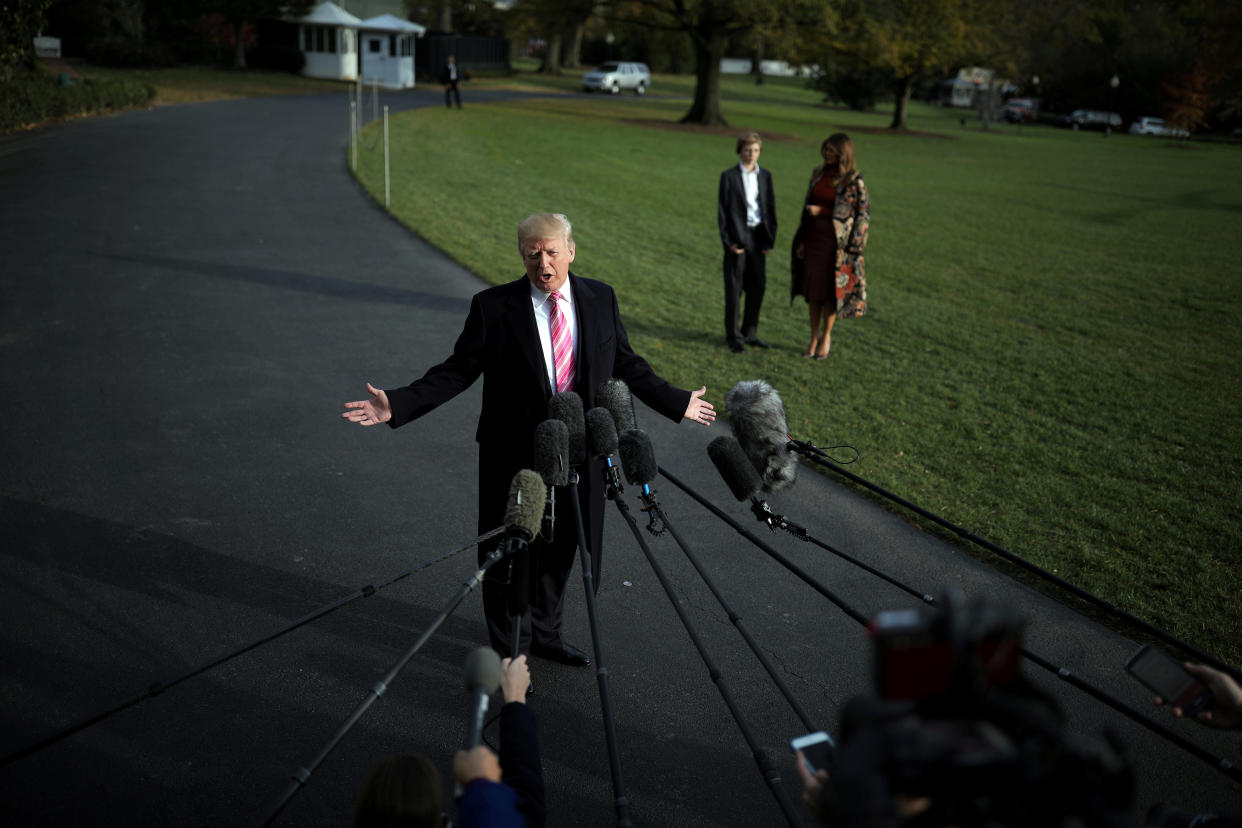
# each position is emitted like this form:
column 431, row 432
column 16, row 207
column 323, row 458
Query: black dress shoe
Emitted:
column 757, row 342
column 736, row 347
column 564, row 654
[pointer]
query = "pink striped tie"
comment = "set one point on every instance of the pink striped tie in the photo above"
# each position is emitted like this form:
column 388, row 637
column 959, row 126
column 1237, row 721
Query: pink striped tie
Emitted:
column 562, row 346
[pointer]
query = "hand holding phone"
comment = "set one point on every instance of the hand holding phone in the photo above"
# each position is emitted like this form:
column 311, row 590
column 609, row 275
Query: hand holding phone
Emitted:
column 1169, row 680
column 818, row 751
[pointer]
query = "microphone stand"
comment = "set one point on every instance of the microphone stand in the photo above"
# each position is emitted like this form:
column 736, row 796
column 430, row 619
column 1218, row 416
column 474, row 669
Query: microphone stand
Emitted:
column 817, row 455
column 1222, row 764
column 621, row 799
column 158, row 687
column 301, row 775
column 734, row 617
column 761, row 758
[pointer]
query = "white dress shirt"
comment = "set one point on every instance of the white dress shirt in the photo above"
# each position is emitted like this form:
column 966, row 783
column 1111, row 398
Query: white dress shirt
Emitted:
column 750, row 182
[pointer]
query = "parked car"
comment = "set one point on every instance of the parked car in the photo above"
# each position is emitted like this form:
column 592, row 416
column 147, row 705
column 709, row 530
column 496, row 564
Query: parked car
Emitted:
column 613, row 77
column 1020, row 110
column 1148, row 125
column 1091, row 119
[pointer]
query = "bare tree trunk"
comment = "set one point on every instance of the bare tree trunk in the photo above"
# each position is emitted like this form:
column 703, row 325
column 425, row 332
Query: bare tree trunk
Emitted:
column 902, row 89
column 239, row 44
column 444, row 20
column 756, row 61
column 552, row 55
column 708, row 50
column 571, row 55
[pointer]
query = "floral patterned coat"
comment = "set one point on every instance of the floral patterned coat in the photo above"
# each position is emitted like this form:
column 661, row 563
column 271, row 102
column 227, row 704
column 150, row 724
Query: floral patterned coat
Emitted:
column 851, row 219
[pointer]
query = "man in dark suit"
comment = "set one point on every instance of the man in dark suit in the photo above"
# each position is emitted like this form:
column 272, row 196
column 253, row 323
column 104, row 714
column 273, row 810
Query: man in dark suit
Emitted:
column 450, row 78
column 550, row 331
column 746, row 213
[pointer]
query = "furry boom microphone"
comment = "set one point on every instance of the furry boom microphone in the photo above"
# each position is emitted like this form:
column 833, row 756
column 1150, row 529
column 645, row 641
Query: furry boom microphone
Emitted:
column 757, row 417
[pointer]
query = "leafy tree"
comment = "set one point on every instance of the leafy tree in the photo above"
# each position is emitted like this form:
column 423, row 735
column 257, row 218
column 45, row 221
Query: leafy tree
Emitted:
column 910, row 40
column 710, row 24
column 20, row 21
column 239, row 13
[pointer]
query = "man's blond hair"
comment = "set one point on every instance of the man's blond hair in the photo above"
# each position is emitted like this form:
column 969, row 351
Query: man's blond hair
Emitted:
column 542, row 226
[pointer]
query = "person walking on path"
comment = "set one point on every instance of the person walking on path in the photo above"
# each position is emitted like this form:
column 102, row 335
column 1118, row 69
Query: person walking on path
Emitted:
column 746, row 213
column 450, row 78
column 827, row 261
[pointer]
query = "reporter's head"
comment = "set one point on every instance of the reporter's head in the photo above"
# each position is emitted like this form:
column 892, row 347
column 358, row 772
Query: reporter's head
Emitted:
column 400, row 791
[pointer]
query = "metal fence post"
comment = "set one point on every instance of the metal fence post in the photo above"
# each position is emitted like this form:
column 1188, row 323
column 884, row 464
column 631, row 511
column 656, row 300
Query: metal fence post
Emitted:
column 385, row 155
column 353, row 136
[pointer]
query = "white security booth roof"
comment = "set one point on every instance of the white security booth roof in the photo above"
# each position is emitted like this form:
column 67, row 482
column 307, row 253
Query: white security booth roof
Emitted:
column 390, row 23
column 329, row 14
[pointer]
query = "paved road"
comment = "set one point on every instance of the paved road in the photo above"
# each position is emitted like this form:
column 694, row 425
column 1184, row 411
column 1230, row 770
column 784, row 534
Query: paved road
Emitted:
column 189, row 294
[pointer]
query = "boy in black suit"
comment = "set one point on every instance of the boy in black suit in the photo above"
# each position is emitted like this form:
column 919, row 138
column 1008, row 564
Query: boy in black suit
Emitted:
column 746, row 213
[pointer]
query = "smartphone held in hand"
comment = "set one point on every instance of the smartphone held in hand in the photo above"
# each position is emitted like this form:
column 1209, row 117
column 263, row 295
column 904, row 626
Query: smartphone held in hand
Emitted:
column 818, row 751
column 1168, row 679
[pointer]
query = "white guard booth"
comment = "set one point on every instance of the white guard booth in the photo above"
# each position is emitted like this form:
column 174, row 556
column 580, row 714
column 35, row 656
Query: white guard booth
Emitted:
column 328, row 37
column 387, row 54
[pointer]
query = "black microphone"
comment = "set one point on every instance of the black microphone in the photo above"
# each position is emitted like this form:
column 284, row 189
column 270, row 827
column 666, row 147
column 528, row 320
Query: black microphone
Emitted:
column 527, row 496
column 615, row 396
column 757, row 418
column 638, row 460
column 742, row 479
column 567, row 407
column 552, row 464
column 734, row 466
column 482, row 677
column 601, row 444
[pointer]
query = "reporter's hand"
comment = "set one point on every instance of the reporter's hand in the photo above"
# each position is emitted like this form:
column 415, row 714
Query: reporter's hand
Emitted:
column 812, row 786
column 515, row 679
column 478, row 763
column 1225, row 712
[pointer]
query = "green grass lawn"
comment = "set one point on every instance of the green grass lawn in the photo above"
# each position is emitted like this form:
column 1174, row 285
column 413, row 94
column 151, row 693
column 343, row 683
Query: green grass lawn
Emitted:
column 192, row 84
column 1051, row 356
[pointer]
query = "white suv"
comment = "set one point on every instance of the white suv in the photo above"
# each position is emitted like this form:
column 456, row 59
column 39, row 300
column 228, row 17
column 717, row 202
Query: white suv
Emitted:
column 613, row 77
column 1148, row 125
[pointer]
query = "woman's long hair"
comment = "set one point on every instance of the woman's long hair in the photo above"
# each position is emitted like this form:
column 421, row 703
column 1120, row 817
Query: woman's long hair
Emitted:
column 838, row 146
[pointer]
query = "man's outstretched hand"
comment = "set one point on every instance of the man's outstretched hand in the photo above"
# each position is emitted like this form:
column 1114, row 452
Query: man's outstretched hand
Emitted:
column 370, row 412
column 699, row 410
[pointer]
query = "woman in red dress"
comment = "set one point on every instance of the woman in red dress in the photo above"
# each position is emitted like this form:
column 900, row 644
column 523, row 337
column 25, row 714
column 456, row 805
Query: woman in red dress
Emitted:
column 827, row 260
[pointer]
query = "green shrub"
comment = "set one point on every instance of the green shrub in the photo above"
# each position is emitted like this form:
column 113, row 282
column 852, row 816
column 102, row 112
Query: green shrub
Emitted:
column 36, row 98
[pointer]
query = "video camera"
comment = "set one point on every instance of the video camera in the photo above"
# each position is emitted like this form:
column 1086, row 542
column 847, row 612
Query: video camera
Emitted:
column 957, row 736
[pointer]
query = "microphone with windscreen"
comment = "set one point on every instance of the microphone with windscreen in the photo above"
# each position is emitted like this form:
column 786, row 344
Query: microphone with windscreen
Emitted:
column 638, row 461
column 637, row 458
column 601, row 444
column 567, row 407
column 744, row 482
column 757, row 418
column 527, row 500
column 615, row 396
column 482, row 677
column 552, row 464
